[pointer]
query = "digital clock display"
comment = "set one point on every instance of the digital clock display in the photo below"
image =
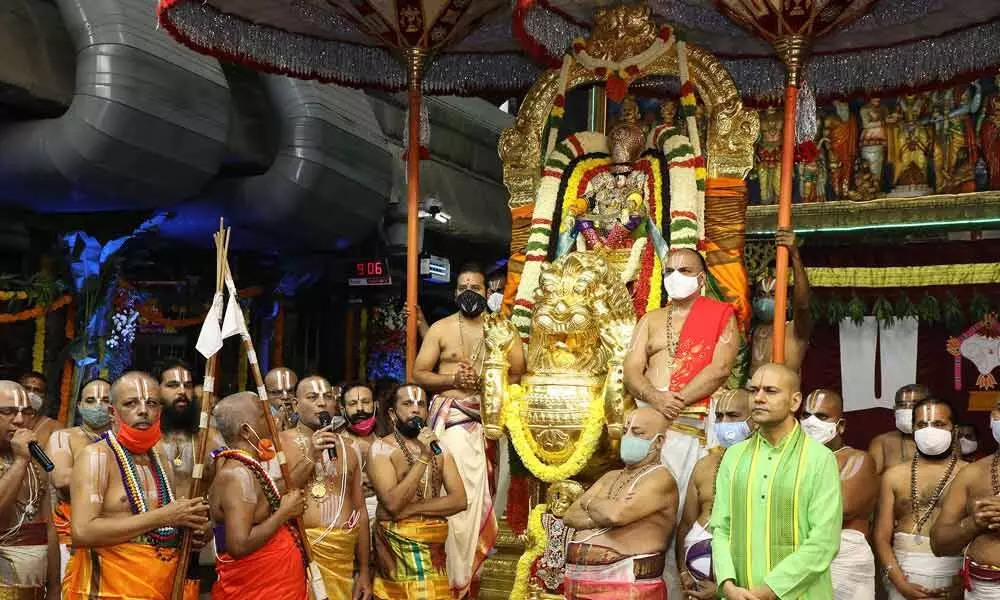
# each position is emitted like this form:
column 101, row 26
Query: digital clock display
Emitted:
column 369, row 272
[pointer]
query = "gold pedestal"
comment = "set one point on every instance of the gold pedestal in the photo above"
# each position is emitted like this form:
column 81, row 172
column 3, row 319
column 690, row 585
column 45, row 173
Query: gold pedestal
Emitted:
column 500, row 569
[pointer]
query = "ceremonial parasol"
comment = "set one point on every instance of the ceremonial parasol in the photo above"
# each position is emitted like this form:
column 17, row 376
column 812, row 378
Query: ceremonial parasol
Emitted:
column 464, row 45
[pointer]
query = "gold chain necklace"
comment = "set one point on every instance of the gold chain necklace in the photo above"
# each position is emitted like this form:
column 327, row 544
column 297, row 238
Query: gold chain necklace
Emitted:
column 673, row 340
column 475, row 352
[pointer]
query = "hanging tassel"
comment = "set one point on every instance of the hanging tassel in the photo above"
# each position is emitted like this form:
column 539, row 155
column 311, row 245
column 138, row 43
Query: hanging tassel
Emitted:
column 806, row 124
column 425, row 134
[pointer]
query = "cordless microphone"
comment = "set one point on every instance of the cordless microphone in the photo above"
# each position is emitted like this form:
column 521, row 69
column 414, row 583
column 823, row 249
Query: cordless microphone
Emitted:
column 40, row 457
column 324, row 420
column 435, row 448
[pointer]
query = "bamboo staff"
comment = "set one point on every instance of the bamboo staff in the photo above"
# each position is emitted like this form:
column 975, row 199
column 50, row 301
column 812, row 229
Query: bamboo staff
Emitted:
column 317, row 589
column 208, row 397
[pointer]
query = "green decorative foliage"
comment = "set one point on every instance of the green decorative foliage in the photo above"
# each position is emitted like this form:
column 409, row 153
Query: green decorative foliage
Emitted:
column 904, row 308
column 816, row 307
column 929, row 310
column 836, row 311
column 979, row 306
column 885, row 312
column 856, row 310
column 952, row 313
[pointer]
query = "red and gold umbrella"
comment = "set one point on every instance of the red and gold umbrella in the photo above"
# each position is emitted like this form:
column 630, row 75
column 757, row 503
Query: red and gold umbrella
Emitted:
column 365, row 43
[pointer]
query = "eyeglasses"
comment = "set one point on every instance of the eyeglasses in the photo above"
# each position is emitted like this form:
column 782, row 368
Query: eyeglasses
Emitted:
column 12, row 411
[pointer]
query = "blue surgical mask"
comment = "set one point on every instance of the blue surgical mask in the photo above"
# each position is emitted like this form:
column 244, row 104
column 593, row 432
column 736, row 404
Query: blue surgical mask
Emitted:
column 95, row 416
column 763, row 309
column 634, row 449
column 730, row 434
column 995, row 426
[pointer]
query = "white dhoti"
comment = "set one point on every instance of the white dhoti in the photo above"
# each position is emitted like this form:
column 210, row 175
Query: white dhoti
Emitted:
column 983, row 590
column 371, row 503
column 697, row 554
column 23, row 567
column 63, row 560
column 920, row 566
column 853, row 569
column 472, row 533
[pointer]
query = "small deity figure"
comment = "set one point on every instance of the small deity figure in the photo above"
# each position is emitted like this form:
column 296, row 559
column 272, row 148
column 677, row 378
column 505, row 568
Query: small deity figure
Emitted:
column 769, row 155
column 864, row 182
column 989, row 136
column 615, row 200
column 551, row 566
column 873, row 137
column 841, row 131
column 668, row 112
column 958, row 152
column 913, row 148
column 810, row 164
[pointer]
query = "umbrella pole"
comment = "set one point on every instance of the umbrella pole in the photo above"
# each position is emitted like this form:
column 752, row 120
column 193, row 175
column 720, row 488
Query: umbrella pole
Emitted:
column 791, row 50
column 415, row 66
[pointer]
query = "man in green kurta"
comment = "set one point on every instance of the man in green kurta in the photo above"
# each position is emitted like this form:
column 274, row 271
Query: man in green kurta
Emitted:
column 777, row 514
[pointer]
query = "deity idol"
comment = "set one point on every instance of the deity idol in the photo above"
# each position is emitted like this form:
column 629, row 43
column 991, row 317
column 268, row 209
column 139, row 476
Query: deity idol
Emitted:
column 841, row 131
column 769, row 155
column 989, row 136
column 913, row 147
column 873, row 137
column 551, row 566
column 958, row 152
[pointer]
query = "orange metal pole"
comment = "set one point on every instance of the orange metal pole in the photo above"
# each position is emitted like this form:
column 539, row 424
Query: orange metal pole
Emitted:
column 415, row 59
column 784, row 221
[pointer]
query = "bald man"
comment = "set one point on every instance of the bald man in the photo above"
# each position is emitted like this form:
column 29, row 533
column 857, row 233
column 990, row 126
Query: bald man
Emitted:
column 126, row 521
column 65, row 445
column 694, row 539
column 853, row 570
column 336, row 517
column 624, row 521
column 779, row 542
column 280, row 384
column 24, row 503
column 897, row 446
column 679, row 356
column 259, row 556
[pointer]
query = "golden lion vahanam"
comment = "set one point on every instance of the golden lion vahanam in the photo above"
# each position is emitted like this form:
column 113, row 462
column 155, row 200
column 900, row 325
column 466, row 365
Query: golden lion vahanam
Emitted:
column 582, row 323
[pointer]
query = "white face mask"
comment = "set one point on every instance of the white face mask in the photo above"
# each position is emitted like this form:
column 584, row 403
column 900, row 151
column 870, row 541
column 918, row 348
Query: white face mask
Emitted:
column 995, row 428
column 821, row 431
column 680, row 286
column 904, row 420
column 932, row 441
column 968, row 446
column 36, row 401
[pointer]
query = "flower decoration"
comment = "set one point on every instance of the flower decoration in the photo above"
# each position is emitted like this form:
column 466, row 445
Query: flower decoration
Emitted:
column 385, row 339
column 535, row 548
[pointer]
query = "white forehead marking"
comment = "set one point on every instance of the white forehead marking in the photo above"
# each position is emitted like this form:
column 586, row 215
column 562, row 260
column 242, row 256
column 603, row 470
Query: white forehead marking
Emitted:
column 284, row 380
column 413, row 393
column 21, row 398
column 319, row 386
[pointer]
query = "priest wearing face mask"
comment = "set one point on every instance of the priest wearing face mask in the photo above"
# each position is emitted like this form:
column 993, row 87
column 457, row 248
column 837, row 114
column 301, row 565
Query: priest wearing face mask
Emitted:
column 418, row 487
column 799, row 328
column 853, row 569
column 909, row 504
column 450, row 364
column 624, row 521
column 260, row 553
column 328, row 466
column 776, row 517
column 66, row 445
column 969, row 522
column 694, row 539
column 126, row 521
column 968, row 443
column 359, row 407
column 897, row 446
column 37, row 387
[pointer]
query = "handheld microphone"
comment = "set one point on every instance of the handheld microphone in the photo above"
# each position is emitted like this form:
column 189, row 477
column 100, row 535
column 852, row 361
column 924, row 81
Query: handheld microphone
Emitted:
column 324, row 420
column 435, row 448
column 40, row 457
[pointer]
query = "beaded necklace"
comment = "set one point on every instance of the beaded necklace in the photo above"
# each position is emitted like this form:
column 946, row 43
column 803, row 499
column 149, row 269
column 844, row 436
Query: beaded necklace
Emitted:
column 135, row 492
column 994, row 480
column 435, row 479
column 673, row 339
column 931, row 503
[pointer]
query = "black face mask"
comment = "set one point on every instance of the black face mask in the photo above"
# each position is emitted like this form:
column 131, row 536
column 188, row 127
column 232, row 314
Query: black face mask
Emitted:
column 471, row 304
column 411, row 427
column 359, row 416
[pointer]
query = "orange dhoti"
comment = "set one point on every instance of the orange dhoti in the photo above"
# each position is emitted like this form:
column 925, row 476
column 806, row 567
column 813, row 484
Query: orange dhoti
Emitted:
column 131, row 571
column 60, row 519
column 274, row 572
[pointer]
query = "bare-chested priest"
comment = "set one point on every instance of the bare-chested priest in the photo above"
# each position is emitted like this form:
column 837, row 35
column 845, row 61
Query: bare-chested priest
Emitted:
column 896, row 446
column 281, row 383
column 853, row 569
column 37, row 387
column 25, row 569
column 65, row 445
column 411, row 525
column 694, row 540
column 360, row 408
column 450, row 364
column 336, row 518
column 909, row 504
column 799, row 328
column 126, row 521
column 259, row 554
column 624, row 521
column 969, row 522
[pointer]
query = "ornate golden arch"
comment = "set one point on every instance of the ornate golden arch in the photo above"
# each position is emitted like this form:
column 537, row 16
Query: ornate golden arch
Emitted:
column 732, row 128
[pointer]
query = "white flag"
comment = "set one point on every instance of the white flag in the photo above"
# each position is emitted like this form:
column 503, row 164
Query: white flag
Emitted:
column 233, row 323
column 210, row 338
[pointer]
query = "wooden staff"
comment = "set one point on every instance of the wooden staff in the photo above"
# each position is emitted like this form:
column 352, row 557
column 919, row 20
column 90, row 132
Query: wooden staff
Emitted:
column 317, row 589
column 208, row 398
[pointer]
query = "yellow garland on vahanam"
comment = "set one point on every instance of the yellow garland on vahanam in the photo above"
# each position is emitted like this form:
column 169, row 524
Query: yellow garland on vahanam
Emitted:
column 38, row 350
column 593, row 428
column 537, row 542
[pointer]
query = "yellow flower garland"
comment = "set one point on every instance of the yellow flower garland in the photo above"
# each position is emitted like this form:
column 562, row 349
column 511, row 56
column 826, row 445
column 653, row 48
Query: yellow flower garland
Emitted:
column 38, row 350
column 593, row 428
column 537, row 542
